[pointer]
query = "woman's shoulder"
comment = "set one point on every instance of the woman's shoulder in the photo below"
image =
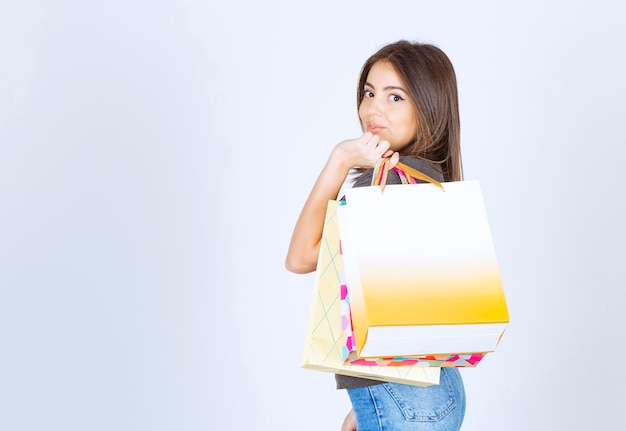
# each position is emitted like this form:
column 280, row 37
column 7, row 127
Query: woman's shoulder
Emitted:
column 424, row 166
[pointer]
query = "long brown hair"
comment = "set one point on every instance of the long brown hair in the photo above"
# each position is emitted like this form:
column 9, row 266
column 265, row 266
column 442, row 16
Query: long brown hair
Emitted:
column 429, row 78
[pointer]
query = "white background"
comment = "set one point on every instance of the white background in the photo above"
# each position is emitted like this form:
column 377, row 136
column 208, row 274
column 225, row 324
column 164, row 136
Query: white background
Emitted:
column 154, row 156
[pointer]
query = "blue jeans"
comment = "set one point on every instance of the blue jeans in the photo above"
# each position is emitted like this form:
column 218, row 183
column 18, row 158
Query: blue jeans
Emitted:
column 392, row 406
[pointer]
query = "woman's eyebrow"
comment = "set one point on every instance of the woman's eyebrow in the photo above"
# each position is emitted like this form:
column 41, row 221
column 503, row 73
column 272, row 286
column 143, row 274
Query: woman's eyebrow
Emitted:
column 393, row 87
column 389, row 87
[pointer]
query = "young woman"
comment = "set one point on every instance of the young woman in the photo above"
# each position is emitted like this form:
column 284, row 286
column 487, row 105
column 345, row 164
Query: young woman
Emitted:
column 408, row 107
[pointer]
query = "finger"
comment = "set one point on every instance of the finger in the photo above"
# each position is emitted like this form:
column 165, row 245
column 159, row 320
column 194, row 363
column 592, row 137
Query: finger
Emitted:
column 383, row 146
column 365, row 137
column 373, row 141
column 395, row 158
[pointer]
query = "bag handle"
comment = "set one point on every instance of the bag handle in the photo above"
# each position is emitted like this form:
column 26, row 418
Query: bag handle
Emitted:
column 407, row 173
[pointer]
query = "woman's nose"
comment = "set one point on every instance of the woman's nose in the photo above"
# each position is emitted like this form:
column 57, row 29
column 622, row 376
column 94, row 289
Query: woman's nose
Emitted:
column 374, row 106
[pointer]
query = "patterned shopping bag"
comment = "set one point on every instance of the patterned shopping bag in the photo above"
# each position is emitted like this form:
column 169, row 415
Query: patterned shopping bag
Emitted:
column 325, row 340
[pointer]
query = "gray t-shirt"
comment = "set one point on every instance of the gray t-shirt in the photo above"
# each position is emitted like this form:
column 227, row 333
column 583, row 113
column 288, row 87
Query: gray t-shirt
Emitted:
column 364, row 180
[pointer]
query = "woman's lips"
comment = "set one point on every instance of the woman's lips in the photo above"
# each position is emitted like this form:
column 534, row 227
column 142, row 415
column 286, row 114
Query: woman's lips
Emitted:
column 374, row 128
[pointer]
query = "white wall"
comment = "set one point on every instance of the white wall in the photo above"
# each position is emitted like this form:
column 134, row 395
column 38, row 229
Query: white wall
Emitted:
column 154, row 156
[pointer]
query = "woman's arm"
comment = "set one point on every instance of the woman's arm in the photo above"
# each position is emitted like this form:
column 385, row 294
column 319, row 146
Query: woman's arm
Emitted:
column 307, row 234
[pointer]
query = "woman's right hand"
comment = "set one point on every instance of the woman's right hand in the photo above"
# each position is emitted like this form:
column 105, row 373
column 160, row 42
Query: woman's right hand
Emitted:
column 364, row 151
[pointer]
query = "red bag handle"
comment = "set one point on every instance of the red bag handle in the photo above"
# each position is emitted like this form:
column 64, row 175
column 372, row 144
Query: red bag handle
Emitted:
column 381, row 171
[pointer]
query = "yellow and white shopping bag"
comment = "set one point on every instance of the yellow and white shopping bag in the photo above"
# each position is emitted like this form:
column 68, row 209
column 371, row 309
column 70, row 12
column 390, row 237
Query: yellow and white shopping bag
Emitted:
column 421, row 270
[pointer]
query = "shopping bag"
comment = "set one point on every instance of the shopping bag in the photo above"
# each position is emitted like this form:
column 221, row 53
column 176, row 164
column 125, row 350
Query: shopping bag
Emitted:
column 324, row 340
column 421, row 270
column 349, row 354
column 463, row 360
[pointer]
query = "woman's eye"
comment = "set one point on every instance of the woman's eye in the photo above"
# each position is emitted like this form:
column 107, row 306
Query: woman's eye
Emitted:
column 395, row 98
column 368, row 93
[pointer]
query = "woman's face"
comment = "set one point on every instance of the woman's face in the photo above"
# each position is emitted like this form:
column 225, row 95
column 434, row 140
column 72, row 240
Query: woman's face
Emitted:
column 386, row 109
